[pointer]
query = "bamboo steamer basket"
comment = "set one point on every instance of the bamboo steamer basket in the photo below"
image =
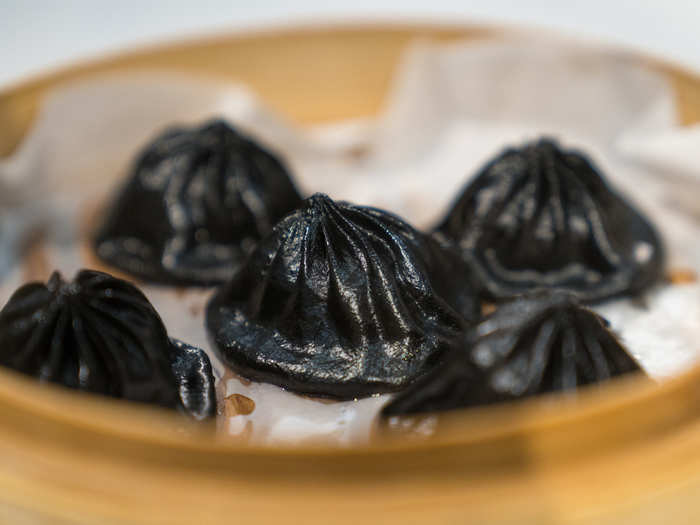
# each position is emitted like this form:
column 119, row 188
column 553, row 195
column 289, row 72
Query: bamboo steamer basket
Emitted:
column 627, row 453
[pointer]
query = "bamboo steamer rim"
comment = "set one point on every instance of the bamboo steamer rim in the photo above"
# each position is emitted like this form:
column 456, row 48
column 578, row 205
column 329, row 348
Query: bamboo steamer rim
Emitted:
column 540, row 438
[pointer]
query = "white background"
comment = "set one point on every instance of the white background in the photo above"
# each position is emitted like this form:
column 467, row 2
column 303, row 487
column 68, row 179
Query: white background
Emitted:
column 36, row 34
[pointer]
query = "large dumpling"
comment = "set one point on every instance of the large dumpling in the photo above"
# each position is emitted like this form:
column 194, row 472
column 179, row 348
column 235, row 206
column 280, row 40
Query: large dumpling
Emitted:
column 341, row 301
column 543, row 342
column 100, row 334
column 197, row 202
column 540, row 216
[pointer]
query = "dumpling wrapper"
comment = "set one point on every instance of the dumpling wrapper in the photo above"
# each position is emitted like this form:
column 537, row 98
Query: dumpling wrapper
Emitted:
column 542, row 342
column 100, row 334
column 341, row 301
column 195, row 205
column 543, row 217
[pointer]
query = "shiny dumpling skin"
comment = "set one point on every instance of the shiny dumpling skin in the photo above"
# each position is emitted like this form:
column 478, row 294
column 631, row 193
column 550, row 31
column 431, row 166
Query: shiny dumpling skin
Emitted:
column 541, row 342
column 341, row 301
column 541, row 216
column 197, row 201
column 194, row 379
column 100, row 334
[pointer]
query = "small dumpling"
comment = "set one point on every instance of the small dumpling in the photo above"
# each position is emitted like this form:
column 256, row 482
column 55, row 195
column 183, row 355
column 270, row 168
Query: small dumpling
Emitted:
column 194, row 379
column 341, row 301
column 196, row 203
column 541, row 216
column 100, row 334
column 542, row 342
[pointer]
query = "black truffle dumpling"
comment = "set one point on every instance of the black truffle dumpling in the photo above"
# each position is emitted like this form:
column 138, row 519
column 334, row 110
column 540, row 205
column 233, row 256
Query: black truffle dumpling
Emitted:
column 340, row 301
column 196, row 203
column 194, row 379
column 100, row 334
column 540, row 216
column 539, row 343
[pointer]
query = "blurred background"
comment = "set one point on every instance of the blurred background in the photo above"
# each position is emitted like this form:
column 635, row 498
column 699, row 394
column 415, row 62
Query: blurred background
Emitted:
column 36, row 34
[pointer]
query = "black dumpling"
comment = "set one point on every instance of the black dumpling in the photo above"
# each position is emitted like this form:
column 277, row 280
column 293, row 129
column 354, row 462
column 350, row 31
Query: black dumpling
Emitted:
column 196, row 203
column 540, row 216
column 341, row 301
column 194, row 379
column 96, row 333
column 543, row 342
column 100, row 334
